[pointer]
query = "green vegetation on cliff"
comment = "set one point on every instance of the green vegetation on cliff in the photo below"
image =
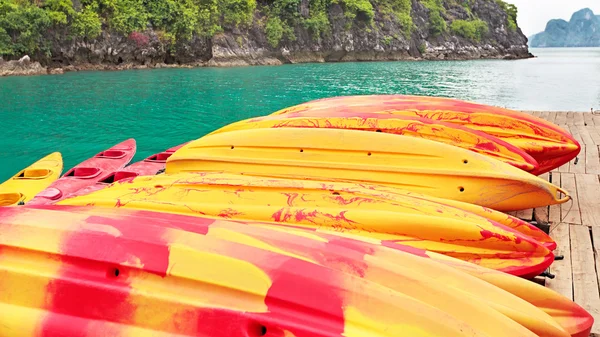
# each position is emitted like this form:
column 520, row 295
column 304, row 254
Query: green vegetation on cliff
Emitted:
column 470, row 29
column 31, row 26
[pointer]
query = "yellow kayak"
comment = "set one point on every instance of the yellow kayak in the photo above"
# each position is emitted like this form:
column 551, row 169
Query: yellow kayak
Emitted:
column 448, row 133
column 27, row 183
column 254, row 281
column 410, row 163
column 415, row 222
column 550, row 145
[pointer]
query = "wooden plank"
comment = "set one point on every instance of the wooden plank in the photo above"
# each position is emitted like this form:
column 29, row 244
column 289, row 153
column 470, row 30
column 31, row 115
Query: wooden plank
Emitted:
column 596, row 244
column 526, row 214
column 563, row 283
column 561, row 118
column 554, row 210
column 596, row 118
column 569, row 211
column 580, row 159
column 551, row 117
column 595, row 134
column 585, row 281
column 577, row 118
column 588, row 193
column 540, row 214
column 588, row 118
column 584, row 134
column 577, row 165
column 592, row 159
column 535, row 113
column 544, row 115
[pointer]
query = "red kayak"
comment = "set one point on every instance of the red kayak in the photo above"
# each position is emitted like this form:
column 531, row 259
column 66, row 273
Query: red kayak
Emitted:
column 87, row 173
column 148, row 167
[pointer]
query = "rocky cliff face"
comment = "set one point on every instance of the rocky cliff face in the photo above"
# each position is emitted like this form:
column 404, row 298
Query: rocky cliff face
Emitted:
column 382, row 39
column 384, row 42
column 583, row 30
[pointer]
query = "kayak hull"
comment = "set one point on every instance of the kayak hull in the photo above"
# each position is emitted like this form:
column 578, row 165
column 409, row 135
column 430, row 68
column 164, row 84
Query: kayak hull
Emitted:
column 550, row 145
column 343, row 208
column 72, row 283
column 414, row 164
column 447, row 133
column 30, row 181
column 380, row 288
column 87, row 173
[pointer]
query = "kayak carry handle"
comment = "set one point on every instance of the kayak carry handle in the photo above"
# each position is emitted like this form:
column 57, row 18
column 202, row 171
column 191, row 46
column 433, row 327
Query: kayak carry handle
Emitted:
column 566, row 197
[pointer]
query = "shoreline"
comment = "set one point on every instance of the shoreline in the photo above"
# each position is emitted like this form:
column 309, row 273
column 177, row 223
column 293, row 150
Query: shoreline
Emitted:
column 25, row 67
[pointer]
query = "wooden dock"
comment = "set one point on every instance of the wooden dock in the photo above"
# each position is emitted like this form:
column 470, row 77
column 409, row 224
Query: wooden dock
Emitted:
column 576, row 225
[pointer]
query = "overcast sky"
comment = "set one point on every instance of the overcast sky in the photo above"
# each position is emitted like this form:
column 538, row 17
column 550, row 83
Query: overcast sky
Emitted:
column 534, row 14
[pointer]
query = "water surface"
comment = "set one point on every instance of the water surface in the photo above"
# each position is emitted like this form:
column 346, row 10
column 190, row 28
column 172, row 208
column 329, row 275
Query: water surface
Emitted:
column 82, row 113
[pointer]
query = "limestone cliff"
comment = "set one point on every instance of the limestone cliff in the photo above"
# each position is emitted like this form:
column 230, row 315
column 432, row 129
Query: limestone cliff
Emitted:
column 583, row 30
column 434, row 29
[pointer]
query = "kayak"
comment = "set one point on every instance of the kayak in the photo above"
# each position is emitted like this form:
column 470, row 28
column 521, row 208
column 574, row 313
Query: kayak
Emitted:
column 294, row 283
column 445, row 270
column 409, row 163
column 383, row 198
column 550, row 145
column 150, row 166
column 87, row 173
column 413, row 222
column 448, row 133
column 30, row 181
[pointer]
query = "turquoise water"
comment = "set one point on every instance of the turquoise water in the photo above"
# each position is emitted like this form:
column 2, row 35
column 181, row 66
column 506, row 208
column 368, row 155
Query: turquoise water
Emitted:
column 80, row 114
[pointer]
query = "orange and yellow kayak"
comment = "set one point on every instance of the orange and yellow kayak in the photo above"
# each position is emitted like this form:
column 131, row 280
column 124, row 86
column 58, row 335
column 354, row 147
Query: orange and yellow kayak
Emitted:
column 414, row 222
column 410, row 163
column 448, row 133
column 295, row 283
column 30, row 181
column 550, row 145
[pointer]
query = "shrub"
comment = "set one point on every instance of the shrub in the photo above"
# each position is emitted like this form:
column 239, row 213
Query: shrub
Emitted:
column 140, row 39
column 274, row 31
column 358, row 8
column 511, row 12
column 471, row 29
column 86, row 24
column 21, row 27
column 387, row 40
column 318, row 24
column 237, row 12
column 437, row 24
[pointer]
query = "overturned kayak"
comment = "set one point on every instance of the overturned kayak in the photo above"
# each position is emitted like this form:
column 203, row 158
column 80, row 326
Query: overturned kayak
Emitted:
column 410, row 163
column 550, row 145
column 448, row 133
column 295, row 283
column 415, row 222
column 87, row 173
column 24, row 185
column 571, row 317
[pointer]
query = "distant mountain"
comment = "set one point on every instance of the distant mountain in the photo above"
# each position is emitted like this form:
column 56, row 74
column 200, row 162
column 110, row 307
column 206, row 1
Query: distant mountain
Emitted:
column 583, row 30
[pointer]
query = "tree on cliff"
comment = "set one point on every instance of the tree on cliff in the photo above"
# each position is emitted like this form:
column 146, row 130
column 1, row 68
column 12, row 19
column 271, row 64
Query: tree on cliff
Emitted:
column 36, row 27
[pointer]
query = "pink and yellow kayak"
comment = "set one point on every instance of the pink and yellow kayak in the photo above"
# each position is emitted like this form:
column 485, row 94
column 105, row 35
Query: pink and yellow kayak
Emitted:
column 296, row 282
column 550, row 145
column 344, row 208
column 448, row 133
